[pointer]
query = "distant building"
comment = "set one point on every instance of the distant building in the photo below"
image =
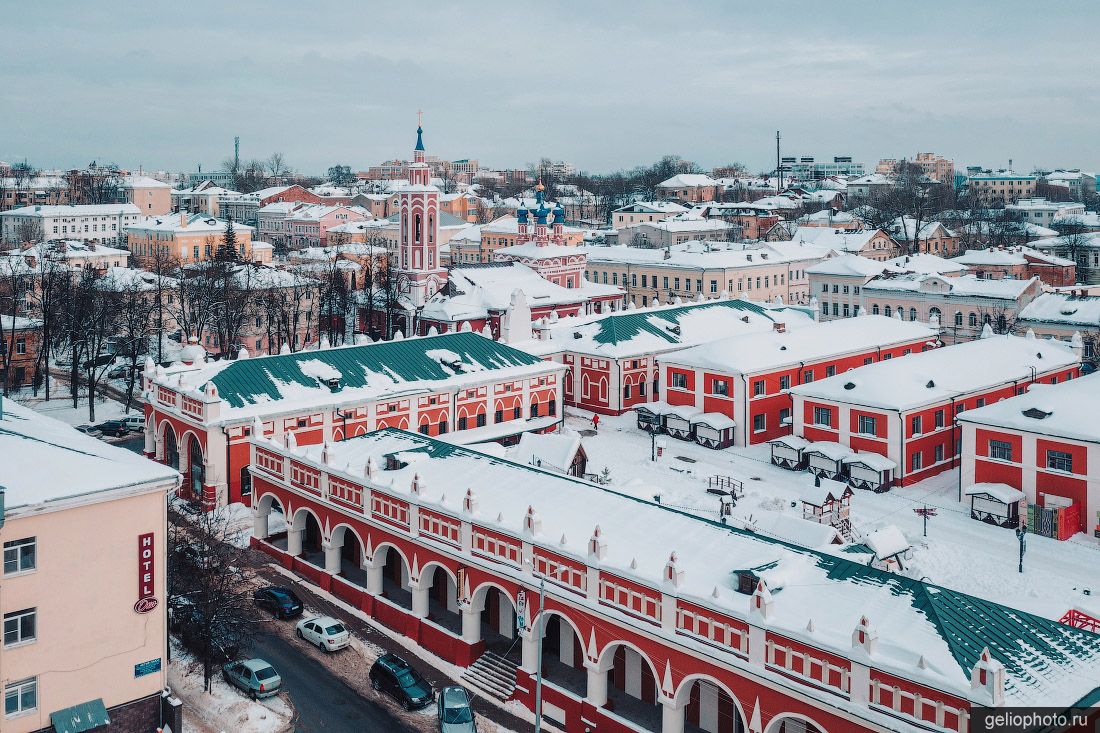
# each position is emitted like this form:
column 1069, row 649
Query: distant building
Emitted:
column 936, row 167
column 97, row 223
column 243, row 207
column 644, row 211
column 1020, row 263
column 1002, row 186
column 153, row 197
column 201, row 198
column 187, row 238
column 1077, row 184
column 693, row 187
column 25, row 336
column 1042, row 212
column 808, row 168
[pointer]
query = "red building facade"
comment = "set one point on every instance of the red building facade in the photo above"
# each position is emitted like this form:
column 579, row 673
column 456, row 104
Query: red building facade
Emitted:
column 906, row 410
column 748, row 378
column 391, row 536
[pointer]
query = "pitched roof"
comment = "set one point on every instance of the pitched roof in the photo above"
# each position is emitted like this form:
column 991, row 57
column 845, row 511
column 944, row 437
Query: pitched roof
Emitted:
column 1045, row 661
column 1064, row 308
column 249, row 386
column 1066, row 410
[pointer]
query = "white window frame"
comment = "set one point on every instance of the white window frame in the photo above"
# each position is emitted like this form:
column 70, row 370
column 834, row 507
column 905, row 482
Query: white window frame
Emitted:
column 17, row 551
column 16, row 618
column 18, row 690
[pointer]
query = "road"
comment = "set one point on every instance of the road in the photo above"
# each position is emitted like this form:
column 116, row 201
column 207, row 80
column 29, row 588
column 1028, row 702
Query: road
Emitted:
column 324, row 702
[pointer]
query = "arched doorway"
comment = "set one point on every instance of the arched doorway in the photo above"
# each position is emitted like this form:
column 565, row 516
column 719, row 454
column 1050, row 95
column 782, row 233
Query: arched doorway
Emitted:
column 498, row 620
column 395, row 577
column 171, row 448
column 351, row 554
column 196, row 470
column 632, row 689
column 708, row 707
column 562, row 654
column 270, row 522
column 442, row 598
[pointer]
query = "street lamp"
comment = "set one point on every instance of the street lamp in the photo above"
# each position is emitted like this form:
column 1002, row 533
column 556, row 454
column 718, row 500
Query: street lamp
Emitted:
column 1021, row 532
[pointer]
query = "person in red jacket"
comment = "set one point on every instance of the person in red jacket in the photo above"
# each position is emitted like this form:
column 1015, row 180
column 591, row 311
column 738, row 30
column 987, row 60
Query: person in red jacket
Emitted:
column 596, row 422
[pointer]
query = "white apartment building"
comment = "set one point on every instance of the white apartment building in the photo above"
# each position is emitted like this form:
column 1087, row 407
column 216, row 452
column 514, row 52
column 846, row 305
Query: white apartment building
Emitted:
column 98, row 223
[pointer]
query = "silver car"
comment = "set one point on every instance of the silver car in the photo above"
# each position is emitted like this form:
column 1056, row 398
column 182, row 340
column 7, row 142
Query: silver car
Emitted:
column 255, row 677
column 455, row 713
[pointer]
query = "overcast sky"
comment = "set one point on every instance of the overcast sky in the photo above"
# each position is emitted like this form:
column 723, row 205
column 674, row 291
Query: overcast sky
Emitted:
column 602, row 85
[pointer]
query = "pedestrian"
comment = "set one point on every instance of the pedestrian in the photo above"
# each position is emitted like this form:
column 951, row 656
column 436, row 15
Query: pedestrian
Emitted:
column 596, row 422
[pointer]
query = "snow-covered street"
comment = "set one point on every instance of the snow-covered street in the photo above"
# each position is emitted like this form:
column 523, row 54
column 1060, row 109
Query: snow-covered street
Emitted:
column 959, row 552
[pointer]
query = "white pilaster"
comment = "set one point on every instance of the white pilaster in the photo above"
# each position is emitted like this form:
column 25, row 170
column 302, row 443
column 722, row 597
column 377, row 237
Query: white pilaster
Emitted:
column 332, row 557
column 419, row 600
column 259, row 523
column 471, row 625
column 672, row 716
column 597, row 687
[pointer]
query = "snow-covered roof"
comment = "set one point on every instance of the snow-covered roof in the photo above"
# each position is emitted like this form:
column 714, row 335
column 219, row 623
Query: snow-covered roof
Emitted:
column 1001, row 492
column 887, row 542
column 1064, row 309
column 18, row 323
column 848, row 265
column 75, row 210
column 829, row 449
column 1065, row 410
column 765, row 351
column 1008, row 256
column 136, row 181
column 474, row 290
column 790, row 441
column 652, row 207
column 69, row 249
column 47, row 463
column 1044, row 660
column 192, row 224
column 549, row 450
column 840, row 240
column 791, row 528
column 967, row 286
column 715, row 420
column 707, row 254
column 127, row 278
column 941, row 374
column 266, row 385
column 688, row 180
column 873, row 461
column 824, row 490
column 661, row 328
column 1090, row 240
column 904, row 227
column 927, row 264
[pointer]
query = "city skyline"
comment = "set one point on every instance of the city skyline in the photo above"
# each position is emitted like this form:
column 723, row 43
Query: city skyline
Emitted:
column 171, row 88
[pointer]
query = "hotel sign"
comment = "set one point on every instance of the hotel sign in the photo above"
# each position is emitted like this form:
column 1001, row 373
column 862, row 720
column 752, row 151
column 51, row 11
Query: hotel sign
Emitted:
column 147, row 599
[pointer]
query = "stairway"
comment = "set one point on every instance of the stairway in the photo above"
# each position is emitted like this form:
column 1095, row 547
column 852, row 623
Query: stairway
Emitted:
column 491, row 675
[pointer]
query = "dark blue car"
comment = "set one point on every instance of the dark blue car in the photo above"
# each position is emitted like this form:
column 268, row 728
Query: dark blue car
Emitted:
column 278, row 601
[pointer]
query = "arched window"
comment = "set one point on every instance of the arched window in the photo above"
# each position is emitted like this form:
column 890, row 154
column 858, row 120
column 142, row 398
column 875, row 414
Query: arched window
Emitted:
column 973, row 320
column 1002, row 323
column 874, row 309
column 958, row 318
column 912, row 314
column 933, row 312
column 887, row 312
column 416, row 229
column 171, row 450
column 196, row 468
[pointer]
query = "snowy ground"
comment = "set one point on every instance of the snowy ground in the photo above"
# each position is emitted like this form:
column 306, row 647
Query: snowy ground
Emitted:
column 959, row 552
column 60, row 406
column 223, row 709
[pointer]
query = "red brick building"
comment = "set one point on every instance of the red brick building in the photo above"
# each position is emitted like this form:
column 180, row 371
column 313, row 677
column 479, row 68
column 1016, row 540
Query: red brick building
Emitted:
column 21, row 338
column 747, row 378
column 652, row 619
column 612, row 359
column 1045, row 443
column 200, row 416
column 1019, row 263
column 905, row 409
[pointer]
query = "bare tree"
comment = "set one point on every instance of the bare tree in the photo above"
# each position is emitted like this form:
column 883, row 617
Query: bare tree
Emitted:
column 135, row 304
column 209, row 586
column 93, row 322
column 390, row 286
column 16, row 283
column 52, row 283
column 276, row 166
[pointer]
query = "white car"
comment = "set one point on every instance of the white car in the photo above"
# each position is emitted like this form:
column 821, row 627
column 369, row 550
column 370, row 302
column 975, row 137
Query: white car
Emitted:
column 134, row 423
column 324, row 631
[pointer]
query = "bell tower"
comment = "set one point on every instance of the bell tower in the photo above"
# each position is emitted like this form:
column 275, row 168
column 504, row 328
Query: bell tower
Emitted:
column 418, row 244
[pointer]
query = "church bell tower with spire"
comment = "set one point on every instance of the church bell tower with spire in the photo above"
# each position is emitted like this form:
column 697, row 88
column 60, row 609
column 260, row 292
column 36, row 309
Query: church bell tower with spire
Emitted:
column 418, row 266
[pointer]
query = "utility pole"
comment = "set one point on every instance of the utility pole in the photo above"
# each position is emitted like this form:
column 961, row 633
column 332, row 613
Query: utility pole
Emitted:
column 236, row 154
column 778, row 167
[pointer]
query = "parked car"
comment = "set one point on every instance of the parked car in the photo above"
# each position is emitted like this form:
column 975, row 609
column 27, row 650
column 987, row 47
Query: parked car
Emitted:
column 325, row 632
column 122, row 371
column 99, row 361
column 189, row 624
column 114, row 428
column 134, row 423
column 455, row 713
column 255, row 677
column 278, row 601
column 89, row 430
column 393, row 676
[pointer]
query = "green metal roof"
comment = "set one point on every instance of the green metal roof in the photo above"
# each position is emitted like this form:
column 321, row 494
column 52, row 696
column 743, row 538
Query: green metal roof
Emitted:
column 80, row 718
column 627, row 325
column 250, row 381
